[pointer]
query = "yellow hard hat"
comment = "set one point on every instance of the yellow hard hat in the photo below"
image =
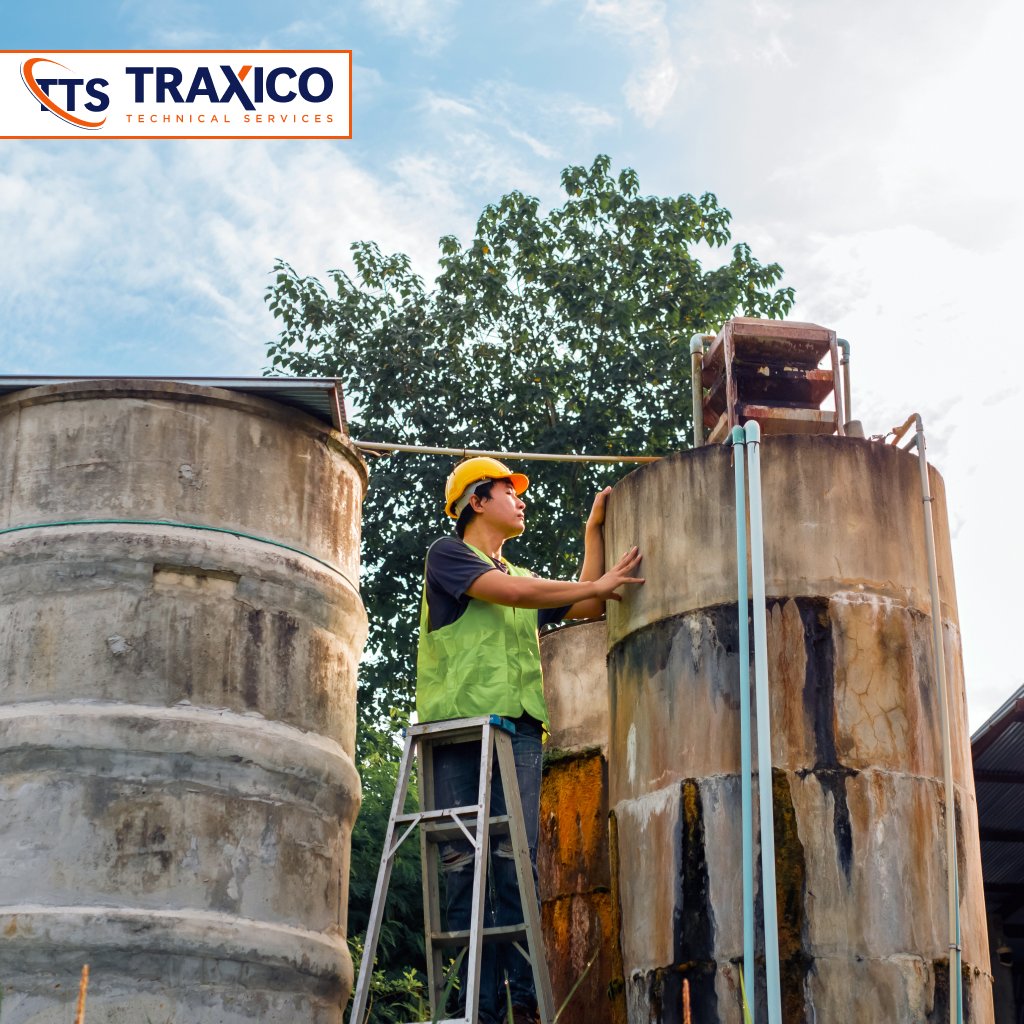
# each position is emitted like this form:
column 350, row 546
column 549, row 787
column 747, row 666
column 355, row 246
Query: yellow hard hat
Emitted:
column 474, row 471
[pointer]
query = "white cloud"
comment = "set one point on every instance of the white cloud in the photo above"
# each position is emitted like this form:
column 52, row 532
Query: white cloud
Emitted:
column 429, row 22
column 837, row 116
column 447, row 106
column 175, row 24
column 586, row 116
column 913, row 304
column 492, row 140
column 650, row 85
column 186, row 233
column 867, row 150
column 536, row 146
column 649, row 90
column 189, row 24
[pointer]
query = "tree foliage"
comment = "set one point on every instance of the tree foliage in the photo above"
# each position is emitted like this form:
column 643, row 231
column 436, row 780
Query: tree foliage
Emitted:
column 558, row 331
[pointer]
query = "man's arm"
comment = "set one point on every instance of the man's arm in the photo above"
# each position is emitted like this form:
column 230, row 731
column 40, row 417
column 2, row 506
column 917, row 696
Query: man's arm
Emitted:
column 586, row 598
column 593, row 558
column 496, row 587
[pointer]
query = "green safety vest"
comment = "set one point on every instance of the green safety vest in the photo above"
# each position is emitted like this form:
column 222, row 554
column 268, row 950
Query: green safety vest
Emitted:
column 487, row 662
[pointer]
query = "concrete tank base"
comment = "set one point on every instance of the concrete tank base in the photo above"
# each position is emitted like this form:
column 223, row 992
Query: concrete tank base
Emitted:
column 177, row 706
column 856, row 745
column 575, row 856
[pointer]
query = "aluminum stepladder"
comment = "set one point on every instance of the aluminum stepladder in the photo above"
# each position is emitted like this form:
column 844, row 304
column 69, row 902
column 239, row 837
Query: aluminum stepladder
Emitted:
column 478, row 826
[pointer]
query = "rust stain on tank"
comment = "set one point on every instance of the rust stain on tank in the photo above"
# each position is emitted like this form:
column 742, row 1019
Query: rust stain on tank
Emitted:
column 617, row 985
column 574, row 829
column 693, row 920
column 579, row 907
column 579, row 930
column 818, row 698
column 791, row 895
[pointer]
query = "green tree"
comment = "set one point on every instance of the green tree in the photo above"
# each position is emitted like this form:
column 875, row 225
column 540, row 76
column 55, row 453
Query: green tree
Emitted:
column 564, row 331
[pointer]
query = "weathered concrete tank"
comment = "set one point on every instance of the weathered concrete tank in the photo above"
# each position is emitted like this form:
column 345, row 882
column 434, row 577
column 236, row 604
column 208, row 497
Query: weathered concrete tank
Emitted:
column 856, row 741
column 575, row 857
column 177, row 705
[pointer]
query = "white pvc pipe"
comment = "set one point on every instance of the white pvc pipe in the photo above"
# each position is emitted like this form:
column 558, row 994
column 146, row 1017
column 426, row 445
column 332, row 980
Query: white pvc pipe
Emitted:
column 746, row 797
column 764, row 728
column 697, row 384
column 939, row 658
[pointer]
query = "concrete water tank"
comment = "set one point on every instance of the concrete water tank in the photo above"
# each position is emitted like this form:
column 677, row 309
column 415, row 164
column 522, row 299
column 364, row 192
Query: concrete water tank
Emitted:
column 856, row 744
column 180, row 625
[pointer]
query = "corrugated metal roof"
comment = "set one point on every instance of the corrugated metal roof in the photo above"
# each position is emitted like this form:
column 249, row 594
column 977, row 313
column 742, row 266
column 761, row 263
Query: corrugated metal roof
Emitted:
column 998, row 747
column 1006, row 753
column 319, row 396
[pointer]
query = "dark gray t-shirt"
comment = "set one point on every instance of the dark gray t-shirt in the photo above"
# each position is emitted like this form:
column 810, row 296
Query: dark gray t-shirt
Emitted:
column 452, row 568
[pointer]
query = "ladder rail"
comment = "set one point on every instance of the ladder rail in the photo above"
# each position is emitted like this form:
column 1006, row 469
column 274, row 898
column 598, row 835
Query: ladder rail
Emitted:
column 387, row 861
column 429, row 875
column 480, row 859
column 524, row 876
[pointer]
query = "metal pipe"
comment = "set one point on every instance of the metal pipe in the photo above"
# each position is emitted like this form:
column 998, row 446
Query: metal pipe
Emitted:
column 900, row 431
column 764, row 729
column 697, row 382
column 845, row 364
column 742, row 602
column 939, row 658
column 466, row 453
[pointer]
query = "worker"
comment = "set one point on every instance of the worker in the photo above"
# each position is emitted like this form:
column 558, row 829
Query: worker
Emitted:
column 479, row 655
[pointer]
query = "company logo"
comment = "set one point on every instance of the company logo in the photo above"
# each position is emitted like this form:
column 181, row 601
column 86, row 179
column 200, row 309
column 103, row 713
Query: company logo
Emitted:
column 176, row 94
column 40, row 88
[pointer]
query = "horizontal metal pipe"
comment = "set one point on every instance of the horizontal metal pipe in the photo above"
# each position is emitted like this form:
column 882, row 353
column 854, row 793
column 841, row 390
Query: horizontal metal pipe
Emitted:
column 466, row 453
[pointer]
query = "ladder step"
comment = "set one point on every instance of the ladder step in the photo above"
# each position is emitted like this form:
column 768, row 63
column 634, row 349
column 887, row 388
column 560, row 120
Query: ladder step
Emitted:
column 439, row 828
column 501, row 933
column 456, row 729
column 442, row 832
column 441, row 812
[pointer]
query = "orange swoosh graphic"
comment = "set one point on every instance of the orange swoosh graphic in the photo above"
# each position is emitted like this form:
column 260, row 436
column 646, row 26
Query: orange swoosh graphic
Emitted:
column 26, row 75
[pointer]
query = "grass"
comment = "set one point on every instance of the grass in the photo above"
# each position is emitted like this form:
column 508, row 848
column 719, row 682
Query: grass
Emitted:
column 743, row 997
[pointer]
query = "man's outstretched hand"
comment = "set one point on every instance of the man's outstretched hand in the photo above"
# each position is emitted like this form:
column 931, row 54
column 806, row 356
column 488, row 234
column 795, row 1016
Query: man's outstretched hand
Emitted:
column 621, row 573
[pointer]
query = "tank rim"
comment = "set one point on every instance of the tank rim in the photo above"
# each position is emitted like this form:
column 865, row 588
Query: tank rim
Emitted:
column 170, row 390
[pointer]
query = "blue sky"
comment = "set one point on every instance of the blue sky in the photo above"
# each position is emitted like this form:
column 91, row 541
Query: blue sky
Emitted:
column 869, row 148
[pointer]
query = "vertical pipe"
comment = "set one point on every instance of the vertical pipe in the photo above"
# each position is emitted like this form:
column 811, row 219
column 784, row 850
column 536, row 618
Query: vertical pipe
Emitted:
column 845, row 364
column 697, row 382
column 764, row 731
column 742, row 600
column 939, row 657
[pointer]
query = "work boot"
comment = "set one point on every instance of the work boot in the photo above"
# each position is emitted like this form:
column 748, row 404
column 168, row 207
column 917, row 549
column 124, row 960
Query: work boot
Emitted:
column 523, row 1015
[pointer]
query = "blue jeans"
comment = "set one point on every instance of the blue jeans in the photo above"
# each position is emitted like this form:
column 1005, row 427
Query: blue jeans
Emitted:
column 456, row 781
